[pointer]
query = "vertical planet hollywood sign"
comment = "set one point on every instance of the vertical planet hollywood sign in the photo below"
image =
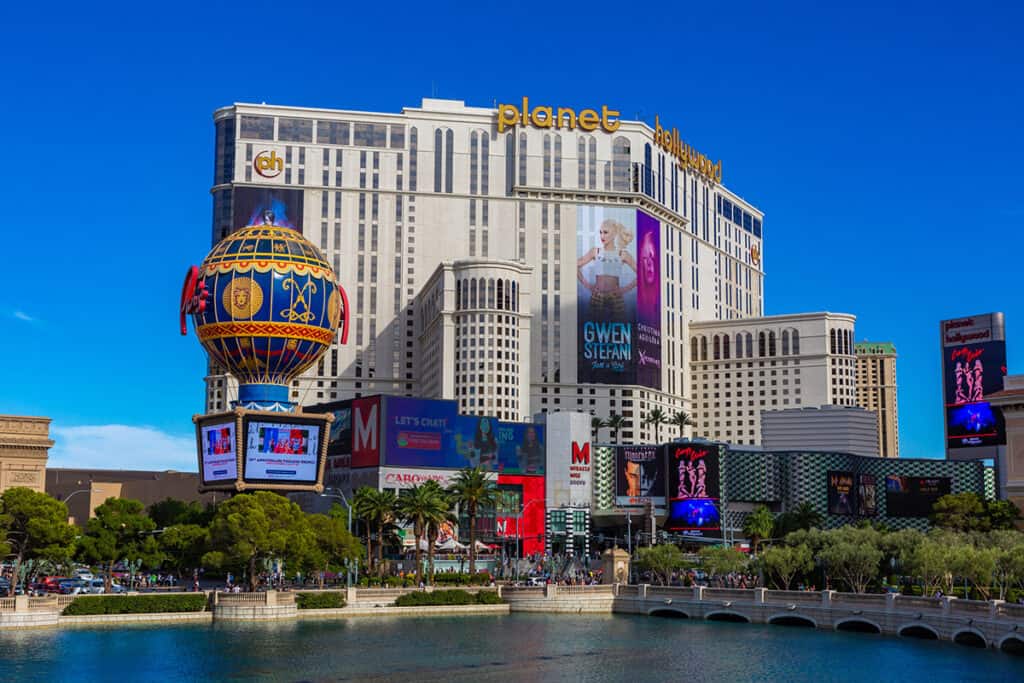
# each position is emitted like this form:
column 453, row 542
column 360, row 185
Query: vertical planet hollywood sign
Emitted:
column 544, row 116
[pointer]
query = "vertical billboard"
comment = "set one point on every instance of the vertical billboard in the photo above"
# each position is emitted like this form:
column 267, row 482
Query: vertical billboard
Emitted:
column 842, row 496
column 867, row 495
column 618, row 299
column 220, row 459
column 569, row 471
column 639, row 476
column 366, row 432
column 693, row 490
column 273, row 205
column 973, row 367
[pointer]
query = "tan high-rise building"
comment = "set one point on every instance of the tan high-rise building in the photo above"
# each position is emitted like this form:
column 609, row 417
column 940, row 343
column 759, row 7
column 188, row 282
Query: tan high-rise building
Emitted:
column 876, row 390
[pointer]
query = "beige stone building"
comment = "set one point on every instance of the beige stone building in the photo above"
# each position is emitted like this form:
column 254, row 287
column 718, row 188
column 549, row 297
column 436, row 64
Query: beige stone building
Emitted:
column 1011, row 401
column 876, row 391
column 24, row 448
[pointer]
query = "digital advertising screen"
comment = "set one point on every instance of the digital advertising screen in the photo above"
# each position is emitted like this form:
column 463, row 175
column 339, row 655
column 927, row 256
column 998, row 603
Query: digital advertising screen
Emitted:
column 867, row 495
column 693, row 489
column 220, row 462
column 842, row 496
column 276, row 205
column 281, row 451
column 973, row 367
column 639, row 476
column 913, row 496
column 429, row 433
column 618, row 297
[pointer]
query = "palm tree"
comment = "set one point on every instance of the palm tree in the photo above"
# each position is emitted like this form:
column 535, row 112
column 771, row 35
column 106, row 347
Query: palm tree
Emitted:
column 758, row 525
column 361, row 511
column 807, row 517
column 422, row 504
column 682, row 420
column 440, row 514
column 656, row 417
column 471, row 488
column 596, row 425
column 616, row 423
column 378, row 509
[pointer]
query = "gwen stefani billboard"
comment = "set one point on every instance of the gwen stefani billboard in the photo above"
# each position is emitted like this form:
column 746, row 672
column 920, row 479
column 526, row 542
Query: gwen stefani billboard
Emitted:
column 618, row 296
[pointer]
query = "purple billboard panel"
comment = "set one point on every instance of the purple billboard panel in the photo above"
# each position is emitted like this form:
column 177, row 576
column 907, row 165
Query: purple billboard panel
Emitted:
column 648, row 301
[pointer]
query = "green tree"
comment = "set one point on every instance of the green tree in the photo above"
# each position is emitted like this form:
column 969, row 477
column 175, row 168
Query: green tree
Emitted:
column 333, row 545
column 119, row 531
column 960, row 512
column 34, row 526
column 440, row 515
column 596, row 425
column 655, row 418
column 258, row 527
column 930, row 561
column 661, row 560
column 758, row 526
column 183, row 546
column 379, row 510
column 976, row 565
column 616, row 423
column 1002, row 514
column 681, row 421
column 784, row 562
column 803, row 516
column 171, row 511
column 421, row 505
column 471, row 489
column 854, row 555
column 718, row 560
column 1009, row 560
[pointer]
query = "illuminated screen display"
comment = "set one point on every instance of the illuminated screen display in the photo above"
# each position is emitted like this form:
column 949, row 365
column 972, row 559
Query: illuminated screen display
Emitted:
column 842, row 497
column 972, row 372
column 281, row 451
column 693, row 490
column 618, row 296
column 867, row 491
column 913, row 496
column 219, row 459
column 640, row 476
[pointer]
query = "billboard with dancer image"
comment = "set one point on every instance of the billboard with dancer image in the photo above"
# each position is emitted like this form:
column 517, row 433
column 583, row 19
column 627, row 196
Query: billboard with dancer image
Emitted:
column 972, row 372
column 618, row 300
column 693, row 490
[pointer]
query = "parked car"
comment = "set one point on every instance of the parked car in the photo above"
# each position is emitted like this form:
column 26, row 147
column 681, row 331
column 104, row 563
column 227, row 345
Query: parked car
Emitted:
column 94, row 587
column 51, row 584
column 72, row 586
column 84, row 573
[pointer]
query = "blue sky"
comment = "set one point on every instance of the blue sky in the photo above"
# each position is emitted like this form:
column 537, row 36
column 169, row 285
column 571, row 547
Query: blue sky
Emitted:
column 883, row 144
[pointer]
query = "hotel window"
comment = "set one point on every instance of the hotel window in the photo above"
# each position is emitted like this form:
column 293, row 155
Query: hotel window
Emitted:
column 295, row 130
column 257, row 127
column 332, row 132
column 413, row 149
column 369, row 134
column 449, row 155
column 397, row 137
column 620, row 164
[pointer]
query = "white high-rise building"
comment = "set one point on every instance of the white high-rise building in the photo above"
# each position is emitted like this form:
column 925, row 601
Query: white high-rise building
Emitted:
column 615, row 236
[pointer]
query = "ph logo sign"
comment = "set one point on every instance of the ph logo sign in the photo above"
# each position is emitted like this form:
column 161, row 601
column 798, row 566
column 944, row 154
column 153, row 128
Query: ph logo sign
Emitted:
column 268, row 164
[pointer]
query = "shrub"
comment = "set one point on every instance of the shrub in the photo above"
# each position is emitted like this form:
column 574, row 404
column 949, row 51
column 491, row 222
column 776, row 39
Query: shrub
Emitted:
column 448, row 597
column 320, row 600
column 462, row 579
column 136, row 604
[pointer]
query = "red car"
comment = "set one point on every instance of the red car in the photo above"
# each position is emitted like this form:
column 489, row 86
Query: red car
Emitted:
column 51, row 584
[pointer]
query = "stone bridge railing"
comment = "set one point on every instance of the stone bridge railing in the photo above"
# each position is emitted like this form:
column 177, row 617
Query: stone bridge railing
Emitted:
column 992, row 623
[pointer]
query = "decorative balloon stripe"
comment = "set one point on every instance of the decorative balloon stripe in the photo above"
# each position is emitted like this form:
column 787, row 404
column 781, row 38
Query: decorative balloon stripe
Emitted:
column 244, row 266
column 265, row 329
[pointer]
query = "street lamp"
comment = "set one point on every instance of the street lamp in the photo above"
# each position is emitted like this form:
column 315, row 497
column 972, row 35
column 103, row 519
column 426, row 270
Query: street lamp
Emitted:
column 348, row 509
column 74, row 493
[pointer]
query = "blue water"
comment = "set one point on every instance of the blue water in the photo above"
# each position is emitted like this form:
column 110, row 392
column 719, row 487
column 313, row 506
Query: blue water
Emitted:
column 490, row 648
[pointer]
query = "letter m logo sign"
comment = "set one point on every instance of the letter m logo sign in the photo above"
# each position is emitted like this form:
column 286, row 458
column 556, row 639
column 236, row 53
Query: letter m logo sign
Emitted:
column 580, row 454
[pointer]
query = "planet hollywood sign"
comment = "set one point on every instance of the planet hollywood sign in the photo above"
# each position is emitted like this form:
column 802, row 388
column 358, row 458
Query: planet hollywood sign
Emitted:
column 545, row 116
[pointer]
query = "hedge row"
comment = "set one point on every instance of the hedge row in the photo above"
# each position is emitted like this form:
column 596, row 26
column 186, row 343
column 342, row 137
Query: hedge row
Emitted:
column 462, row 579
column 136, row 604
column 448, row 597
column 319, row 600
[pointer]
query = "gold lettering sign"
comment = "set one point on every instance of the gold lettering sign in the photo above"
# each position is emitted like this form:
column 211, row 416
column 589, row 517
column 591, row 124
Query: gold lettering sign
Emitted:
column 544, row 116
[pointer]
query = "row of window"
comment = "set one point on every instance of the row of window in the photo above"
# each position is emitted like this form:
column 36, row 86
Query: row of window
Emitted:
column 737, row 215
column 722, row 347
column 289, row 129
column 497, row 294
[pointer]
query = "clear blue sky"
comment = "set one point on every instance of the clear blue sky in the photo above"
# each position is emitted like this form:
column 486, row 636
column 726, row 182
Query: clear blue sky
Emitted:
column 884, row 145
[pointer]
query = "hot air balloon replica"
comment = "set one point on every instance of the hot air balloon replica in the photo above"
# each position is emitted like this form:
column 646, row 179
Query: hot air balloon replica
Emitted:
column 266, row 305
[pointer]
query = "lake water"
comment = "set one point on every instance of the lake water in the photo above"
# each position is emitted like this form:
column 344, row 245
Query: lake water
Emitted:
column 517, row 647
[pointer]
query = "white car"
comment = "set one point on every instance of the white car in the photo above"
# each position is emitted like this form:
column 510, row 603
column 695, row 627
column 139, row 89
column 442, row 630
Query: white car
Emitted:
column 84, row 574
column 94, row 587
